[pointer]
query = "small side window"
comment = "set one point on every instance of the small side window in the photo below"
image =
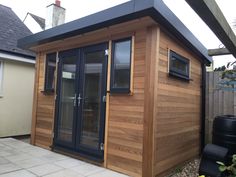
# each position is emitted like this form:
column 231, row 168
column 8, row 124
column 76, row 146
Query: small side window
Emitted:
column 121, row 66
column 50, row 69
column 178, row 66
column 1, row 78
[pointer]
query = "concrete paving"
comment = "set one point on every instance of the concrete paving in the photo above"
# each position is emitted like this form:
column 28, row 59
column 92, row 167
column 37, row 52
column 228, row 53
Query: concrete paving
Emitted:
column 19, row 159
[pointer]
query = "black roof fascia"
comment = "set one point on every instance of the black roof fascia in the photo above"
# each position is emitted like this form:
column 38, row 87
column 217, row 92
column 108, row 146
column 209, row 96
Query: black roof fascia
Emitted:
column 118, row 14
column 173, row 24
column 111, row 16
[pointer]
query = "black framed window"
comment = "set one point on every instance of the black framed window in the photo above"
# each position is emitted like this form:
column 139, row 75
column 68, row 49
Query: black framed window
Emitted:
column 121, row 66
column 50, row 69
column 178, row 66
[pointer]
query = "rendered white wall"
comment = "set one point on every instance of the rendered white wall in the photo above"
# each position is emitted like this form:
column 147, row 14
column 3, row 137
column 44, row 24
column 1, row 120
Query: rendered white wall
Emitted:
column 32, row 24
column 17, row 99
column 55, row 16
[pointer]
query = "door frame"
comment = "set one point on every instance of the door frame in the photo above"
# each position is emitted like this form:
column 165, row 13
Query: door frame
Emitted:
column 61, row 55
column 83, row 148
column 74, row 147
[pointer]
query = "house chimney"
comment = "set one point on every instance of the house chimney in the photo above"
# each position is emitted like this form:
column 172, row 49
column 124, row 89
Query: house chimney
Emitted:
column 55, row 15
column 58, row 3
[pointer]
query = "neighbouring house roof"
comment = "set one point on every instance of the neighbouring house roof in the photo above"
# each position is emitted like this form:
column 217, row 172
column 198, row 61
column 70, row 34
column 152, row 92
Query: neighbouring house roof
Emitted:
column 12, row 29
column 39, row 20
column 130, row 10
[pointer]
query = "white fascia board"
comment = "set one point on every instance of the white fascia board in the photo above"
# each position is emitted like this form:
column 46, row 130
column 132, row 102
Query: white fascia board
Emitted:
column 16, row 58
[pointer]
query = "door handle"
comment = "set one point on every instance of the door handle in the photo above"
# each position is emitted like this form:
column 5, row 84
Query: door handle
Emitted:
column 74, row 100
column 79, row 99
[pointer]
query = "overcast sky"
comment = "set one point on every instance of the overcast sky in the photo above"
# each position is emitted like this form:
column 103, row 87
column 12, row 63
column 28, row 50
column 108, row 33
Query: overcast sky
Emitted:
column 200, row 29
column 79, row 8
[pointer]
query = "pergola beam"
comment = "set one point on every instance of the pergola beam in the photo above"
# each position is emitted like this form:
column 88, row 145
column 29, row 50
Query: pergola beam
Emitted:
column 217, row 52
column 211, row 14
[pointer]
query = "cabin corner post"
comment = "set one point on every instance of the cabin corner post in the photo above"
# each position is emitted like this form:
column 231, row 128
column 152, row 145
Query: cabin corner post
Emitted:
column 203, row 107
column 150, row 90
column 35, row 98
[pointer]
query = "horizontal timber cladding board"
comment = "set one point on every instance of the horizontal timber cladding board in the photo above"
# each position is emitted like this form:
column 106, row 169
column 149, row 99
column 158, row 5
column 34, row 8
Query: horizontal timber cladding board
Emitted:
column 44, row 123
column 195, row 81
column 125, row 165
column 178, row 116
column 174, row 160
column 35, row 98
column 44, row 112
column 125, row 132
column 184, row 143
column 177, row 99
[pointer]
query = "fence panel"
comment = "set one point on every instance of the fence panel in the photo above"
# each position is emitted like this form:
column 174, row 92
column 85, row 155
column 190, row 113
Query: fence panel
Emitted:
column 218, row 101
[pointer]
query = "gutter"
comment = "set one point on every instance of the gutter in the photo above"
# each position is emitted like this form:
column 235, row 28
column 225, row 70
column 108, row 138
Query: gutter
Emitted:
column 28, row 56
column 6, row 56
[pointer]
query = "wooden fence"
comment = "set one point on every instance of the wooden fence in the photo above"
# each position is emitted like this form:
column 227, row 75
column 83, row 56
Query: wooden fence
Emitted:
column 218, row 101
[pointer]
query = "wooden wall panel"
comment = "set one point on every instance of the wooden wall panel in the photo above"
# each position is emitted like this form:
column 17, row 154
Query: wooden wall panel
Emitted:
column 175, row 105
column 125, row 123
column 150, row 91
column 44, row 112
column 178, row 116
column 124, row 134
column 35, row 100
column 126, row 116
column 165, row 129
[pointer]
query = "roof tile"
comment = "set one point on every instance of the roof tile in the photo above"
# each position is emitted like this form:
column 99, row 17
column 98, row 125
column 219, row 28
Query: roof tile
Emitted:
column 12, row 29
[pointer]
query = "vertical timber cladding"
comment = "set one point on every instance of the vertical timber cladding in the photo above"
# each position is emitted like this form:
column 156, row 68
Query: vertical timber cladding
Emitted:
column 177, row 122
column 44, row 111
column 126, row 112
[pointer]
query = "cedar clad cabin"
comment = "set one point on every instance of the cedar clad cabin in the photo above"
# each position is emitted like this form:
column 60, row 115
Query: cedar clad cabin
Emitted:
column 122, row 88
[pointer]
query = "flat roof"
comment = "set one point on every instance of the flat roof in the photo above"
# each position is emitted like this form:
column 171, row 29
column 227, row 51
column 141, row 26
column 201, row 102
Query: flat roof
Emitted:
column 130, row 10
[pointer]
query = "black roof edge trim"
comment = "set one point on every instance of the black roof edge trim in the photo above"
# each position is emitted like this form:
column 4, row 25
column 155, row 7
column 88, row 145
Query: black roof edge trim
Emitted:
column 25, row 42
column 187, row 36
column 18, row 54
column 156, row 9
column 78, row 26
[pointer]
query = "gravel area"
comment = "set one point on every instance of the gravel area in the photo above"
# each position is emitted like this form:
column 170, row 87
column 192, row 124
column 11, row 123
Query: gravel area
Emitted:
column 188, row 170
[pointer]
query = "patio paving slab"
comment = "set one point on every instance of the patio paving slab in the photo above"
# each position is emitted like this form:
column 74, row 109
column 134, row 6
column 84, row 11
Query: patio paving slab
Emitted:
column 69, row 163
column 5, row 168
column 45, row 169
column 87, row 169
column 32, row 162
column 20, row 173
column 3, row 161
column 64, row 173
column 19, row 159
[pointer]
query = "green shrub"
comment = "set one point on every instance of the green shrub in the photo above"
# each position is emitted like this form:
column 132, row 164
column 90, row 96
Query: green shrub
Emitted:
column 229, row 170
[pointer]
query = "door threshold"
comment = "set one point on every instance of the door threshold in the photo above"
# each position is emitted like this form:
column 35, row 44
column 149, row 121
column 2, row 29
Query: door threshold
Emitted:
column 79, row 156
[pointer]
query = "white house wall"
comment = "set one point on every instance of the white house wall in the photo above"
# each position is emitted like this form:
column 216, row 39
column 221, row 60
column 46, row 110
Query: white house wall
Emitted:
column 33, row 26
column 17, row 98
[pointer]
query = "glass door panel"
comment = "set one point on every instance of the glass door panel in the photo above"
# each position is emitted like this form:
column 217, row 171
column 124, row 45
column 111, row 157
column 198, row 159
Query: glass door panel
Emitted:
column 92, row 108
column 81, row 87
column 92, row 96
column 67, row 100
